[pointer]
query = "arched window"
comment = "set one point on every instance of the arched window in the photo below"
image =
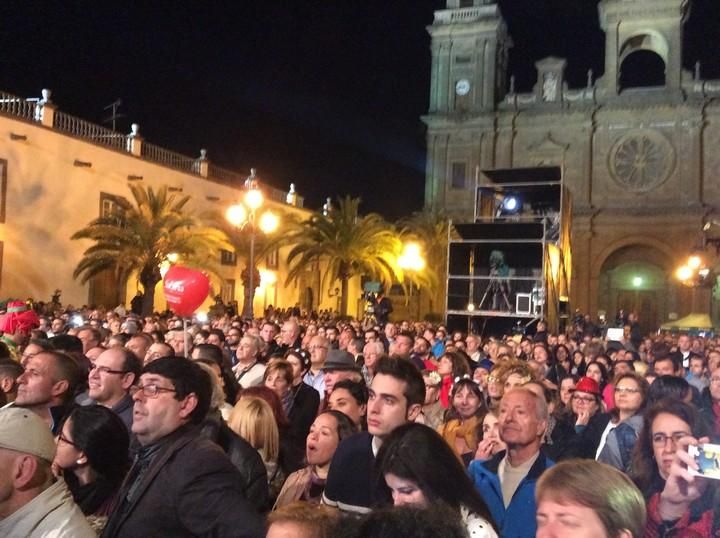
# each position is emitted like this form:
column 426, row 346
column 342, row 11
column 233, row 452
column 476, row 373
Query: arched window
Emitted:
column 643, row 60
column 642, row 69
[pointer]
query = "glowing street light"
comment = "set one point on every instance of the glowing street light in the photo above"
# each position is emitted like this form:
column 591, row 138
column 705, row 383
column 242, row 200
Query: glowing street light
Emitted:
column 244, row 215
column 684, row 273
column 411, row 258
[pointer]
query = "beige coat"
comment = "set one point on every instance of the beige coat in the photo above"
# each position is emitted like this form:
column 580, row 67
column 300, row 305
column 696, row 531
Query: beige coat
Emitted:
column 52, row 514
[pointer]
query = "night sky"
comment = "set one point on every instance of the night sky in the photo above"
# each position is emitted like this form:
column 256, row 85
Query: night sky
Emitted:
column 324, row 93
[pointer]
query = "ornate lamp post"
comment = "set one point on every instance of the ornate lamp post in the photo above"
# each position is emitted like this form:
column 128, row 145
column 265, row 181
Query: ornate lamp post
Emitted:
column 244, row 216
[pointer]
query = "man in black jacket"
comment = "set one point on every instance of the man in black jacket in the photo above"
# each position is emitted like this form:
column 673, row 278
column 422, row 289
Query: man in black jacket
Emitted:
column 181, row 484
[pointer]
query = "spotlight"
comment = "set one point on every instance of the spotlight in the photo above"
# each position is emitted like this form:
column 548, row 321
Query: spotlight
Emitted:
column 510, row 204
column 471, row 307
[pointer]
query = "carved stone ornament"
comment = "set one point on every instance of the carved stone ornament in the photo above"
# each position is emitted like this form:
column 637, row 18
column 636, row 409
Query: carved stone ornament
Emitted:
column 641, row 160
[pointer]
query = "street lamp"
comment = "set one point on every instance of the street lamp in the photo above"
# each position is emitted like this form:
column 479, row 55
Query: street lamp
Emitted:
column 694, row 273
column 412, row 260
column 244, row 216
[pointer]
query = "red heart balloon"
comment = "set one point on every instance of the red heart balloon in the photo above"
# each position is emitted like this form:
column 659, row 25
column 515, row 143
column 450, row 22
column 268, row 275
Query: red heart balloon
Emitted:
column 185, row 289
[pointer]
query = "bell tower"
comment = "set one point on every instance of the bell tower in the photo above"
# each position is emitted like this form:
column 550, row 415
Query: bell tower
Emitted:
column 469, row 57
column 643, row 46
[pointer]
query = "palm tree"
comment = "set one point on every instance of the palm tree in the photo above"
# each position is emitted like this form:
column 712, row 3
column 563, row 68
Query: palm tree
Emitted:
column 350, row 244
column 430, row 229
column 139, row 238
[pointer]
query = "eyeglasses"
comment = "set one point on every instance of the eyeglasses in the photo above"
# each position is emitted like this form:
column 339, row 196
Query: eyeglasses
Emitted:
column 626, row 390
column 149, row 391
column 586, row 399
column 64, row 439
column 105, row 370
column 715, row 380
column 661, row 439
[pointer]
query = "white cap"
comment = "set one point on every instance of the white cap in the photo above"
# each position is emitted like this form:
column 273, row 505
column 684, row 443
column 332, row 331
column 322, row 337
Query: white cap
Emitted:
column 24, row 431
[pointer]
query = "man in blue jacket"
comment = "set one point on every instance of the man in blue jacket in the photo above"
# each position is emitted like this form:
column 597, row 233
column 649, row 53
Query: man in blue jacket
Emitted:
column 507, row 481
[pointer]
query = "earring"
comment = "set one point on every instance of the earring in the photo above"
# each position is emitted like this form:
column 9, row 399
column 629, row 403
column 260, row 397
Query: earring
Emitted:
column 80, row 462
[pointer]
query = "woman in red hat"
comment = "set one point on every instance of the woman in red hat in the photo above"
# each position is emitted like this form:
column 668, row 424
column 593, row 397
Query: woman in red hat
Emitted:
column 587, row 417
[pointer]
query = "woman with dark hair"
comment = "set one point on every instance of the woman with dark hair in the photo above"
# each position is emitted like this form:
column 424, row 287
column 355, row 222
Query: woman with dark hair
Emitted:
column 597, row 371
column 305, row 399
column 678, row 503
column 669, row 386
column 421, row 469
column 626, row 420
column 559, row 367
column 463, row 419
column 92, row 455
column 578, row 363
column 667, row 420
column 350, row 397
column 450, row 366
column 326, row 433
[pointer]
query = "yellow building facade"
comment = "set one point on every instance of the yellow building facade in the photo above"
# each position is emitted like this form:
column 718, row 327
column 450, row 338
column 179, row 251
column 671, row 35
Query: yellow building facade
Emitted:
column 59, row 172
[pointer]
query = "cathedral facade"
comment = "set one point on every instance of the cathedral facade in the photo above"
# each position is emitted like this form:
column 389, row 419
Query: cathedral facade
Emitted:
column 638, row 146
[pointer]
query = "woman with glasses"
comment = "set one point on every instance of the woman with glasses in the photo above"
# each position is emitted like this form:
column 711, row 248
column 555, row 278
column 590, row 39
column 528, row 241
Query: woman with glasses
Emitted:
column 665, row 424
column 463, row 419
column 583, row 421
column 678, row 503
column 92, row 457
column 626, row 420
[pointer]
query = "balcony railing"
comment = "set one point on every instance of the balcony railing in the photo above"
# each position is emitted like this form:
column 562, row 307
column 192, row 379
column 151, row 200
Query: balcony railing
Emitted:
column 86, row 130
column 44, row 112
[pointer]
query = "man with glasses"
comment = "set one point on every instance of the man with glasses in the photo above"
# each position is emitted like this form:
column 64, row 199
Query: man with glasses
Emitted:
column 314, row 377
column 180, row 484
column 112, row 375
column 232, row 342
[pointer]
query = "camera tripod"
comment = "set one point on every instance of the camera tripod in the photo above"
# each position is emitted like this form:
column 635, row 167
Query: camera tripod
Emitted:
column 494, row 288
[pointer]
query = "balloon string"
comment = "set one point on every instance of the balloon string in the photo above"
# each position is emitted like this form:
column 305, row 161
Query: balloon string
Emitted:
column 185, row 346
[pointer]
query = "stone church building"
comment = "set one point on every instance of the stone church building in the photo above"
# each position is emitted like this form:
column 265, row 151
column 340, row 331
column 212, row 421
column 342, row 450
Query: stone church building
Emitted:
column 639, row 147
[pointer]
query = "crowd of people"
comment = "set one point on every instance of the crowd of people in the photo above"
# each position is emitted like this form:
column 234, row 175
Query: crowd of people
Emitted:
column 119, row 425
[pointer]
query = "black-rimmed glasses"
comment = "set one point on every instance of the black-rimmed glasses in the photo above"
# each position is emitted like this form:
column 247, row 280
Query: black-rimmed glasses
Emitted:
column 149, row 391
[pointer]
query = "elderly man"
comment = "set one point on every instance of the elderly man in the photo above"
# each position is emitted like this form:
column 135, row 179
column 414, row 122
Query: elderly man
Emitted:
column 48, row 385
column 181, row 484
column 112, row 375
column 290, row 335
column 248, row 371
column 371, row 353
column 33, row 503
column 319, row 347
column 506, row 482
